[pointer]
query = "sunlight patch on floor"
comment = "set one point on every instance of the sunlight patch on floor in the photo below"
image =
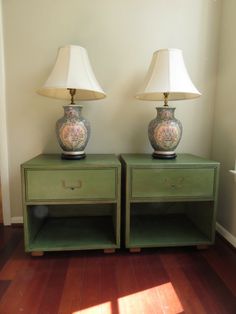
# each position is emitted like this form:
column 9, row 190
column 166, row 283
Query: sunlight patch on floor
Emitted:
column 159, row 299
column 99, row 308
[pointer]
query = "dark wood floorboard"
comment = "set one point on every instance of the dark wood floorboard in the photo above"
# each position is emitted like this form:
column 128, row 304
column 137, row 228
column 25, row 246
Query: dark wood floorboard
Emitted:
column 224, row 267
column 4, row 284
column 73, row 286
column 191, row 302
column 53, row 290
column 208, row 286
column 12, row 239
column 155, row 281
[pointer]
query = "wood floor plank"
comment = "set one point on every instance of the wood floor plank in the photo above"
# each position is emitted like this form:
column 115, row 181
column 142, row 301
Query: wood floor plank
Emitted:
column 9, row 241
column 109, row 288
column 31, row 296
column 190, row 301
column 5, row 234
column 211, row 290
column 155, row 281
column 4, row 284
column 147, row 283
column 168, row 299
column 18, row 261
column 90, row 299
column 139, row 284
column 11, row 302
column 223, row 261
column 127, row 286
column 50, row 300
column 73, row 286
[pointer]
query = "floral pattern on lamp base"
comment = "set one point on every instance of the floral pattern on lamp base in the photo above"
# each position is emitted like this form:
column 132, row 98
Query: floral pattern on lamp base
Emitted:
column 73, row 132
column 164, row 133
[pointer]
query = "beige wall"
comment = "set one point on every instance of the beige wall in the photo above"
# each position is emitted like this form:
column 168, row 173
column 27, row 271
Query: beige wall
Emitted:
column 120, row 37
column 224, row 139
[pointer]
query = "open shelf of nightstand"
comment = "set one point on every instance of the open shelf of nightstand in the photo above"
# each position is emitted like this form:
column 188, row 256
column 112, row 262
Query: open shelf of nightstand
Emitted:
column 73, row 233
column 166, row 230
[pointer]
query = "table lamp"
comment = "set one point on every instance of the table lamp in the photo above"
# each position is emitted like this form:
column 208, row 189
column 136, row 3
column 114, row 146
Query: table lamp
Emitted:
column 167, row 79
column 72, row 78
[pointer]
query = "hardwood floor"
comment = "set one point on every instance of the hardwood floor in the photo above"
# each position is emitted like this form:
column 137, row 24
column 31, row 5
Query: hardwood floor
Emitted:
column 163, row 280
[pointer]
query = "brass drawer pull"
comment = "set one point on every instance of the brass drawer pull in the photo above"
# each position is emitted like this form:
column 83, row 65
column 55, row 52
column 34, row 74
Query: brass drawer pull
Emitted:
column 72, row 187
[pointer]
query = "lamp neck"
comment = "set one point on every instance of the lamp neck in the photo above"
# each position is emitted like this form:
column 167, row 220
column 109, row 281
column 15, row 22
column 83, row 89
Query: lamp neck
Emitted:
column 166, row 99
column 72, row 94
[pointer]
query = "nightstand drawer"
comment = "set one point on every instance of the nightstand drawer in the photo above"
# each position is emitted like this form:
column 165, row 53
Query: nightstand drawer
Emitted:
column 172, row 183
column 70, row 184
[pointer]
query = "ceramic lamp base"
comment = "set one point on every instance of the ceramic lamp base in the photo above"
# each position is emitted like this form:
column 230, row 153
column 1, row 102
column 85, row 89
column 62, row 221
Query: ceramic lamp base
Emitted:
column 166, row 155
column 73, row 132
column 164, row 133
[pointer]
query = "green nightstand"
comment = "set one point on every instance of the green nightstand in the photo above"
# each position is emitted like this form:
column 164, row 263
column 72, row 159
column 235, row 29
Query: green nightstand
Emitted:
column 71, row 205
column 170, row 202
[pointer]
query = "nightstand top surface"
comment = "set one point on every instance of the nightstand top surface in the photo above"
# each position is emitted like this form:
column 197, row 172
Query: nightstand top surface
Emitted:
column 181, row 159
column 54, row 160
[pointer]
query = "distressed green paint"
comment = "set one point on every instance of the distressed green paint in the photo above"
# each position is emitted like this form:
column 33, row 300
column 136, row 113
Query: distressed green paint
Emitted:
column 71, row 184
column 182, row 160
column 71, row 205
column 53, row 161
column 169, row 183
column 170, row 202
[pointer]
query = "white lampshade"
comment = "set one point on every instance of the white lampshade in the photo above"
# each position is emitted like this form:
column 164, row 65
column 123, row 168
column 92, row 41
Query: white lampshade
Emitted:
column 167, row 74
column 72, row 70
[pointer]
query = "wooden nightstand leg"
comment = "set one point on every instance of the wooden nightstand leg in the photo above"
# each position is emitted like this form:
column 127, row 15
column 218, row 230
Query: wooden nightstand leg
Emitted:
column 109, row 251
column 202, row 246
column 37, row 253
column 135, row 250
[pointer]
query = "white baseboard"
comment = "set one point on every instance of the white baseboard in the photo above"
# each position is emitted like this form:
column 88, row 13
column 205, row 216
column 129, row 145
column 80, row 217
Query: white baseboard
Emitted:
column 17, row 220
column 226, row 234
